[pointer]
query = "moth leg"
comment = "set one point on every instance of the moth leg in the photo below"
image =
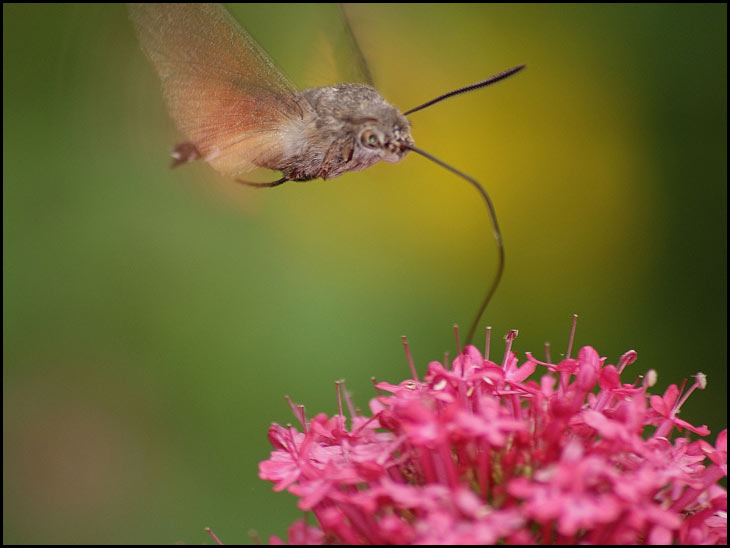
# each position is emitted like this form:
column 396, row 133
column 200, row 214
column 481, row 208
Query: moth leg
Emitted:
column 184, row 153
column 264, row 185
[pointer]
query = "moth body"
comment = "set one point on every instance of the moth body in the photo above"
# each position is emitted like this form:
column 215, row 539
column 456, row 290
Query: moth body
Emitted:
column 347, row 127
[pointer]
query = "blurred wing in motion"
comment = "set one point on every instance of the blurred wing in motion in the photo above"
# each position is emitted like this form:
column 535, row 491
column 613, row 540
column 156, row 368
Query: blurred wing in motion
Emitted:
column 335, row 56
column 355, row 69
column 222, row 90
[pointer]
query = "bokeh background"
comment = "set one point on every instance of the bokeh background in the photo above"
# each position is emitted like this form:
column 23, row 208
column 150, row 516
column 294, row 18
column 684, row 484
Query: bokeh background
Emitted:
column 153, row 319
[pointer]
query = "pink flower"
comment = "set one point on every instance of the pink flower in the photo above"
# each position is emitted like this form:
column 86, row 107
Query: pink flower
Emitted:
column 476, row 453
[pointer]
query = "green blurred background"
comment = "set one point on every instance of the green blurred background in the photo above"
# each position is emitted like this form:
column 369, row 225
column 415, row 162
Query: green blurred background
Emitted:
column 153, row 320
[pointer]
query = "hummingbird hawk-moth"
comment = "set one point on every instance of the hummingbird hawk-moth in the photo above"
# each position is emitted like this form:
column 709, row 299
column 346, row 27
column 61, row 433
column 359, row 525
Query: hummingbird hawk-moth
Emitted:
column 237, row 111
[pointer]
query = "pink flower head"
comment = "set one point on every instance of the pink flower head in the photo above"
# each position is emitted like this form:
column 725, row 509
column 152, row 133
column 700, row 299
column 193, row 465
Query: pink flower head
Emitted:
column 476, row 453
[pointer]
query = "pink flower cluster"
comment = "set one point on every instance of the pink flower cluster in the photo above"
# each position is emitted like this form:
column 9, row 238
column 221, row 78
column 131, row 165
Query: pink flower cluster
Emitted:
column 478, row 454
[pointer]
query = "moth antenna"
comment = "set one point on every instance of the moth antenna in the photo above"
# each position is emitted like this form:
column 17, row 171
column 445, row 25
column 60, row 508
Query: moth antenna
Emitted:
column 484, row 83
column 495, row 228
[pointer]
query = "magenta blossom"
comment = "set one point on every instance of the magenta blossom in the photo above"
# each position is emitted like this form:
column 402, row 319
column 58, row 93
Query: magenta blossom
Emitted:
column 478, row 454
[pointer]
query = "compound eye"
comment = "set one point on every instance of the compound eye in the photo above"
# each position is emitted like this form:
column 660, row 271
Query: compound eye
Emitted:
column 370, row 139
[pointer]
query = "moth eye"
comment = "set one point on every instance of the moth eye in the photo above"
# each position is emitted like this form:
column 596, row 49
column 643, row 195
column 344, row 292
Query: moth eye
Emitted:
column 370, row 139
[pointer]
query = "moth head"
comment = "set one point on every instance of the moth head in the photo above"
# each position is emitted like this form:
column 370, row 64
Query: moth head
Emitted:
column 388, row 136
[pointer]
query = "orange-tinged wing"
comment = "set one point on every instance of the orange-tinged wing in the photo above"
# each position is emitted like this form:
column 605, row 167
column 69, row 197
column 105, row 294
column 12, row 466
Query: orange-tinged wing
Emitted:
column 222, row 90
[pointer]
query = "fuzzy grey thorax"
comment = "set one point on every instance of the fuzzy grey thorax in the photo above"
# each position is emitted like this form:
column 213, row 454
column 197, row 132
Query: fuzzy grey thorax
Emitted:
column 347, row 127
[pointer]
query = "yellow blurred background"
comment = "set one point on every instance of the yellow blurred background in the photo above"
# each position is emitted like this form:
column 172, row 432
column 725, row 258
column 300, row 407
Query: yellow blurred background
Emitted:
column 153, row 319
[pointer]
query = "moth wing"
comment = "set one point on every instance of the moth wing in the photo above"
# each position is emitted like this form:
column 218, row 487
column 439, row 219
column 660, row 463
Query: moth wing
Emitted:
column 336, row 53
column 224, row 93
column 349, row 58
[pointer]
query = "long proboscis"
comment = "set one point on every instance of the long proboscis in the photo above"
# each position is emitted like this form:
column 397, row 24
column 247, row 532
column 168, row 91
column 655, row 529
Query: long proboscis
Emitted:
column 484, row 83
column 495, row 227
